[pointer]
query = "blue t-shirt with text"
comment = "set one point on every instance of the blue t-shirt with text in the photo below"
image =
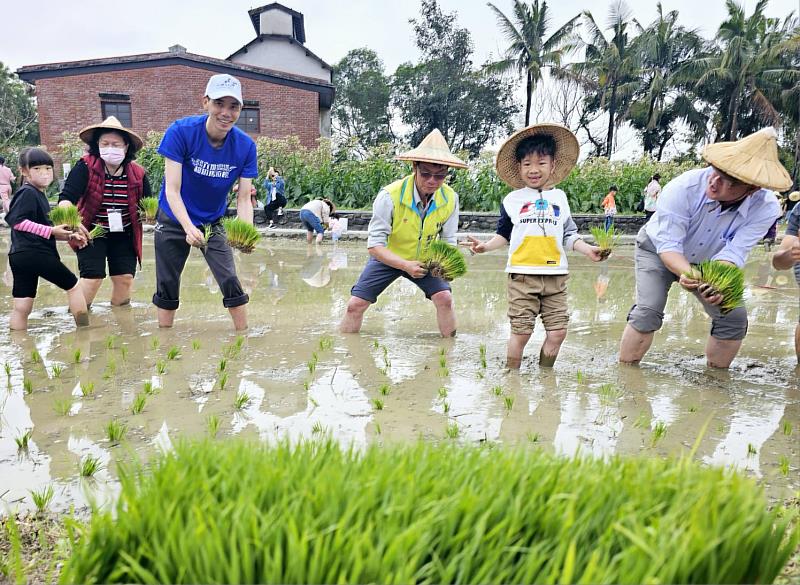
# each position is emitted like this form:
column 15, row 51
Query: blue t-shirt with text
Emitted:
column 208, row 173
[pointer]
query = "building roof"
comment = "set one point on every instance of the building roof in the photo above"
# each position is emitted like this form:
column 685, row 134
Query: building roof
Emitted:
column 298, row 22
column 262, row 38
column 32, row 73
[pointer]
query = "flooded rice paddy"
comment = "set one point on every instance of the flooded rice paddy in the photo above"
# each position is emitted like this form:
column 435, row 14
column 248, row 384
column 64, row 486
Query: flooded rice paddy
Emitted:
column 292, row 375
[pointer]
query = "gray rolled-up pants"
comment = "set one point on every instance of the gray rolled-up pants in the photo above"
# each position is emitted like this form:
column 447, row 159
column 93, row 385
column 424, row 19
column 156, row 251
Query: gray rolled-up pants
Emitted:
column 172, row 250
column 653, row 281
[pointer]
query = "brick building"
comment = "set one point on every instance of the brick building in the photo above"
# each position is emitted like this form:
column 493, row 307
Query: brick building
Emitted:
column 287, row 89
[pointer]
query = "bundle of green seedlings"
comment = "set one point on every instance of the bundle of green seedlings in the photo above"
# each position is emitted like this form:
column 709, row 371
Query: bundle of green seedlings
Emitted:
column 722, row 278
column 428, row 513
column 444, row 261
column 241, row 235
column 606, row 240
column 97, row 231
column 67, row 216
column 149, row 206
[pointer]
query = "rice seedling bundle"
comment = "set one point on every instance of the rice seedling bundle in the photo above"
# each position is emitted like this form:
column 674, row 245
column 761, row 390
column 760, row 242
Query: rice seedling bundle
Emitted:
column 66, row 216
column 428, row 513
column 605, row 240
column 444, row 261
column 241, row 235
column 149, row 207
column 97, row 231
column 723, row 278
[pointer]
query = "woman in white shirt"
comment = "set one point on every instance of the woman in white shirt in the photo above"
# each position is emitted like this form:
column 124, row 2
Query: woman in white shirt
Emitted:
column 651, row 196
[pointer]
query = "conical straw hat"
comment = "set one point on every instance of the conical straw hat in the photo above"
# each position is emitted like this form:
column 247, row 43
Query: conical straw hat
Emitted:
column 433, row 149
column 752, row 160
column 794, row 196
column 111, row 123
column 566, row 157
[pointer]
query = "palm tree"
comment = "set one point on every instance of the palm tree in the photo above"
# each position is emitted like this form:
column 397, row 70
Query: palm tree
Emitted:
column 611, row 67
column 662, row 99
column 744, row 74
column 529, row 52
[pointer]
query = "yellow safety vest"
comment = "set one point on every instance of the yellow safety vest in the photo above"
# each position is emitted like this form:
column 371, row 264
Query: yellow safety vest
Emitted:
column 411, row 235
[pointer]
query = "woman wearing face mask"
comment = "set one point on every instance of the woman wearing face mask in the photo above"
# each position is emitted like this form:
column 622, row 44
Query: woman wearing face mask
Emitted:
column 107, row 186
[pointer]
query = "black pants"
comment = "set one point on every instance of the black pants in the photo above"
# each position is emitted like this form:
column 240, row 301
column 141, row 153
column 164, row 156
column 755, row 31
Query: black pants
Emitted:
column 269, row 210
column 171, row 254
column 27, row 267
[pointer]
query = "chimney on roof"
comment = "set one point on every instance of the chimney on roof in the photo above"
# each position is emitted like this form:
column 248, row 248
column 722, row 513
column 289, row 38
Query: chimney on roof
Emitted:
column 177, row 49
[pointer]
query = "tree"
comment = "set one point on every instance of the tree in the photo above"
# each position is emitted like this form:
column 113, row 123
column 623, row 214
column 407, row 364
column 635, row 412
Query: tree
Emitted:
column 361, row 109
column 529, row 52
column 18, row 119
column 664, row 98
column 743, row 74
column 445, row 91
column 611, row 68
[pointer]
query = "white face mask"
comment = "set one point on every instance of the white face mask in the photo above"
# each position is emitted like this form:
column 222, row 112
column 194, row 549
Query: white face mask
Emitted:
column 112, row 155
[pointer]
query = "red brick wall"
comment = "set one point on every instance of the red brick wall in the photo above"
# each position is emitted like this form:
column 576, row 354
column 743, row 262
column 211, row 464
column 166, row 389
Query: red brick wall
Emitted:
column 161, row 95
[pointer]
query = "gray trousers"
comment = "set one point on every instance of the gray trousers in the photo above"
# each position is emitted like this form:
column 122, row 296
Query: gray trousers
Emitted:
column 653, row 281
column 171, row 254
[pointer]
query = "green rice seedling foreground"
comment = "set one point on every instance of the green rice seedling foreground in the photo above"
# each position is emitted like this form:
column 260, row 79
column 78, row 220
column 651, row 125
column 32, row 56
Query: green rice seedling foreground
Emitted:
column 428, row 513
column 606, row 240
column 241, row 235
column 444, row 261
column 67, row 216
column 723, row 278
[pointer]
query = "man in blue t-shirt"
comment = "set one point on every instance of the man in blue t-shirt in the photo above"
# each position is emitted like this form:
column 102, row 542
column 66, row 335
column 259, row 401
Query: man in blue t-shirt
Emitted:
column 788, row 256
column 205, row 155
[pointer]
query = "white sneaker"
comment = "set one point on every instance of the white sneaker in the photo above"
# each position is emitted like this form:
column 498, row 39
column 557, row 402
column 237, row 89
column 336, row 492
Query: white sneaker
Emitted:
column 271, row 226
column 280, row 211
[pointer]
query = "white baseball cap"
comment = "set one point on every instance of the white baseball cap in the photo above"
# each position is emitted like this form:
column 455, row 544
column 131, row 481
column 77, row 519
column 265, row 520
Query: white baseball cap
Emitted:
column 223, row 85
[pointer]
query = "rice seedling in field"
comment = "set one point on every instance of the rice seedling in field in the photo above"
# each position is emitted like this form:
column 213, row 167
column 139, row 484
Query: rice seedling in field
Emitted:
column 375, row 344
column 447, row 501
column 7, row 368
column 378, row 403
column 509, row 402
column 751, row 450
column 149, row 206
column 87, row 389
column 76, row 356
column 783, row 465
column 318, row 428
column 482, row 353
column 442, row 361
column 444, row 261
column 444, row 372
column 306, row 386
column 452, row 431
column 23, row 440
column 325, row 343
column 722, row 278
column 445, row 406
column 692, row 408
column 378, row 428
column 27, row 386
column 659, row 432
column 223, row 365
column 173, row 353
column 56, row 370
column 111, row 341
column 787, row 428
column 580, row 377
column 222, row 381
column 212, row 425
column 116, row 431
column 384, row 390
column 62, row 407
column 605, row 240
column 155, row 343
column 67, row 216
column 239, row 342
column 36, row 357
column 442, row 392
column 123, row 352
column 111, row 368
column 532, row 437
column 149, row 389
column 241, row 401
column 161, row 367
column 41, row 499
column 241, row 235
column 231, row 351
column 497, row 390
column 195, row 344
column 609, row 393
column 89, row 465
column 312, row 364
column 137, row 406
column 643, row 421
column 313, row 402
column 97, row 231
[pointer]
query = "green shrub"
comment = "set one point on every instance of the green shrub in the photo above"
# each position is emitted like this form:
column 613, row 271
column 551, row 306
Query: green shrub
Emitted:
column 240, row 512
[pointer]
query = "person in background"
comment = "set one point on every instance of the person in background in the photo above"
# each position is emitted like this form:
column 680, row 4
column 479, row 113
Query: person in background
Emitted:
column 788, row 256
column 337, row 226
column 33, row 253
column 651, row 193
column 610, row 206
column 314, row 215
column 107, row 185
column 6, row 180
column 275, row 187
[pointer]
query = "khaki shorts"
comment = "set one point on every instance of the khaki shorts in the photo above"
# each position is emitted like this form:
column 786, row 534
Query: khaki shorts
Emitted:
column 530, row 295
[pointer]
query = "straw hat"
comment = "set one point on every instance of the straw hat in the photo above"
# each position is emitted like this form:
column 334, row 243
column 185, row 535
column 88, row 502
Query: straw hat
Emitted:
column 567, row 151
column 752, row 160
column 433, row 149
column 111, row 123
column 794, row 196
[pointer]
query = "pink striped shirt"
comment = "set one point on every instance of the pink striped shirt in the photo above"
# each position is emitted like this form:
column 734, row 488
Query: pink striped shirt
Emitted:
column 32, row 227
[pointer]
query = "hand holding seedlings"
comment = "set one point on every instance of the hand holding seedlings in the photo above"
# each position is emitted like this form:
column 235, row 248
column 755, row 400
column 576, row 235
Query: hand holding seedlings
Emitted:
column 194, row 237
column 62, row 232
column 414, row 269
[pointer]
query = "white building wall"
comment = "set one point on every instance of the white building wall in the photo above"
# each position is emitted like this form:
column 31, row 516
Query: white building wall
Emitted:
column 282, row 55
column 276, row 22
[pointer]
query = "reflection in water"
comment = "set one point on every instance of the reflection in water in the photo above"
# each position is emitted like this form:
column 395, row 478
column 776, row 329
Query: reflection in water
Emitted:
column 303, row 379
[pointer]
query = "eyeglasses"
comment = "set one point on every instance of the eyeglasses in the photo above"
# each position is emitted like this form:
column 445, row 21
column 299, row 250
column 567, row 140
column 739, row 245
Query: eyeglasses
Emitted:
column 438, row 176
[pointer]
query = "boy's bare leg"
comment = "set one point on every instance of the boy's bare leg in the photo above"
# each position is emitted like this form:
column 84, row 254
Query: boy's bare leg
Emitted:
column 166, row 317
column 19, row 314
column 516, row 345
column 551, row 346
column 239, row 316
column 77, row 305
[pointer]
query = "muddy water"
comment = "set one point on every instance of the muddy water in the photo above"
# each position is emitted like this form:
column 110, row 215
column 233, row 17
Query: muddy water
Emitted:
column 397, row 381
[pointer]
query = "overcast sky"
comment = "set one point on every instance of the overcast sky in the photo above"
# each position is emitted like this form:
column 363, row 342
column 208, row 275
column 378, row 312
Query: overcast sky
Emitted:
column 59, row 30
